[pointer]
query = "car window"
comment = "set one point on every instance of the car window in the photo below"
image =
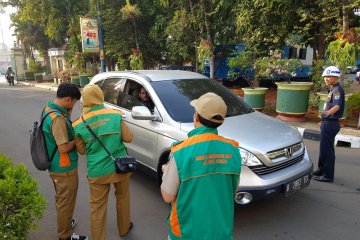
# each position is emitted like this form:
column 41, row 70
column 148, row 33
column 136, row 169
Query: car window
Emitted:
column 128, row 101
column 112, row 87
column 130, row 97
column 176, row 95
column 99, row 83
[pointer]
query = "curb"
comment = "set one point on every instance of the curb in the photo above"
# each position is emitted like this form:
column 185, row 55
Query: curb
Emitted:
column 340, row 139
column 39, row 86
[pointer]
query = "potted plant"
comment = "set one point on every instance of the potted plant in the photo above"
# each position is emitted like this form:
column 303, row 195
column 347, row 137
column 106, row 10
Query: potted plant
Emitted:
column 36, row 68
column 56, row 77
column 87, row 74
column 243, row 65
column 69, row 75
column 84, row 78
column 29, row 75
column 354, row 105
column 38, row 77
column 341, row 53
column 74, row 77
column 292, row 98
column 78, row 74
column 136, row 59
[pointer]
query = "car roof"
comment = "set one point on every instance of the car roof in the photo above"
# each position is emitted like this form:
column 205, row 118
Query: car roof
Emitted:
column 157, row 75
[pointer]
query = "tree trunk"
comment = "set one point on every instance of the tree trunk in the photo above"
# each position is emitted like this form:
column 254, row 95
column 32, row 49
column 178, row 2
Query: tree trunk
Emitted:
column 195, row 37
column 135, row 33
column 209, row 39
column 319, row 47
column 345, row 13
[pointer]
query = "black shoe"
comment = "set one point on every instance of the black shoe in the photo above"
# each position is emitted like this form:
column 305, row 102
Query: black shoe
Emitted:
column 130, row 227
column 317, row 173
column 78, row 237
column 73, row 223
column 323, row 179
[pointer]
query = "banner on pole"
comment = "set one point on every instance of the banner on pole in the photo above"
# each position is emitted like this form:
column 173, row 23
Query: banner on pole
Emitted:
column 89, row 34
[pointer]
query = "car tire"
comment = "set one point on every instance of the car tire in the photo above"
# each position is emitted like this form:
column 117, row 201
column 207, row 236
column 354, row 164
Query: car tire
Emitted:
column 163, row 160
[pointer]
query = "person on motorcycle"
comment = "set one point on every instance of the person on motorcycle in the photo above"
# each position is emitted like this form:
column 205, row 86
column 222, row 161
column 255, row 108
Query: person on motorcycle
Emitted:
column 9, row 70
column 10, row 76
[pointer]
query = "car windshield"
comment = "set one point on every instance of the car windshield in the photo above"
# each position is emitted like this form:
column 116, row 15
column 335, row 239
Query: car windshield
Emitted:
column 176, row 95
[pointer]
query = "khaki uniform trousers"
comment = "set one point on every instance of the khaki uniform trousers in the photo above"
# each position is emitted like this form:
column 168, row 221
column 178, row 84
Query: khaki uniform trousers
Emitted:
column 99, row 192
column 66, row 186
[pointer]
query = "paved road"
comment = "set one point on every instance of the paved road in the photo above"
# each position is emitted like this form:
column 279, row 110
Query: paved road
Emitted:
column 322, row 211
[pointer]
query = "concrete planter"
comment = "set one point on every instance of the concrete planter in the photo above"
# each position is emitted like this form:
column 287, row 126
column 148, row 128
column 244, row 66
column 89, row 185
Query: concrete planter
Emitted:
column 323, row 97
column 48, row 77
column 84, row 79
column 292, row 100
column 38, row 77
column 75, row 80
column 29, row 76
column 255, row 97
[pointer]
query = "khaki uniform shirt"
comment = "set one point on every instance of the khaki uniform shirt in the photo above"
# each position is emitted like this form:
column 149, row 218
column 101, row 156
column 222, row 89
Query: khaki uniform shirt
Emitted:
column 59, row 131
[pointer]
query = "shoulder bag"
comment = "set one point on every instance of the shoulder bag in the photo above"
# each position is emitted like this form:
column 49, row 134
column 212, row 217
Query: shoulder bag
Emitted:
column 122, row 164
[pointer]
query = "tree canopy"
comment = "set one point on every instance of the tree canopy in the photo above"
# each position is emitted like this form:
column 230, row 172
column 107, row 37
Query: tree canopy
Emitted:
column 170, row 32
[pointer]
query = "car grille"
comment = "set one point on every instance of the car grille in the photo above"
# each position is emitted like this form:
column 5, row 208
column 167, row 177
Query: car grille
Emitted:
column 284, row 151
column 261, row 170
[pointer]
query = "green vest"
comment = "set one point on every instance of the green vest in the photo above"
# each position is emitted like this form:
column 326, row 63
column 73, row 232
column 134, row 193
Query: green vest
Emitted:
column 209, row 167
column 62, row 162
column 106, row 124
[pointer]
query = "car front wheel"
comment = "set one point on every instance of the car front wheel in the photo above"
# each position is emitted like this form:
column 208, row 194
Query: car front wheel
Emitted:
column 163, row 160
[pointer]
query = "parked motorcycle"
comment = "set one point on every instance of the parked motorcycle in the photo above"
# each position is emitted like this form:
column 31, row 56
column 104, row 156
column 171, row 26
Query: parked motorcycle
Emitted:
column 10, row 78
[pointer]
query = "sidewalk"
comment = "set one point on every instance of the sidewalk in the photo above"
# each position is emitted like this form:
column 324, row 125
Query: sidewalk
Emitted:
column 310, row 129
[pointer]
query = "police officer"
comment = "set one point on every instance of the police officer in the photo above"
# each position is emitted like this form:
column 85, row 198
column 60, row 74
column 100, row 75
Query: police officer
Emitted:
column 330, row 126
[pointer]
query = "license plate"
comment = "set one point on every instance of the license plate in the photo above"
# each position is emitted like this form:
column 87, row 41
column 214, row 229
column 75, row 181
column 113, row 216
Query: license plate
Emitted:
column 296, row 185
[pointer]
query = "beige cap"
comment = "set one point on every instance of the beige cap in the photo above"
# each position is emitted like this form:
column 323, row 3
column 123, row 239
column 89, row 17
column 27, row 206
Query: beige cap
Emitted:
column 92, row 96
column 209, row 105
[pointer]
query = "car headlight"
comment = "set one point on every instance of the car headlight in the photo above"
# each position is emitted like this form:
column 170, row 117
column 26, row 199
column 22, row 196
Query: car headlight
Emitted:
column 249, row 159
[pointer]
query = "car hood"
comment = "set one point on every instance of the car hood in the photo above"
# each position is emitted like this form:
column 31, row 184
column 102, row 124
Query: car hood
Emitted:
column 256, row 132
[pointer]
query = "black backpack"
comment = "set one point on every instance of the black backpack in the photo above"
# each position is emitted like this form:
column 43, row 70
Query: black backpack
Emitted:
column 38, row 149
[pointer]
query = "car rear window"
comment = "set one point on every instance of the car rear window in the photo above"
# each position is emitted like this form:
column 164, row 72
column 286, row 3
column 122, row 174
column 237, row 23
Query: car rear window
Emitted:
column 176, row 96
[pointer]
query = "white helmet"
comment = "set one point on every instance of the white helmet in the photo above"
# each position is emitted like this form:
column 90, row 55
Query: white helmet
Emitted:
column 331, row 71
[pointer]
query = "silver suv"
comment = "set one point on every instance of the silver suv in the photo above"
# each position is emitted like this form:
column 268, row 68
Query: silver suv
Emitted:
column 275, row 160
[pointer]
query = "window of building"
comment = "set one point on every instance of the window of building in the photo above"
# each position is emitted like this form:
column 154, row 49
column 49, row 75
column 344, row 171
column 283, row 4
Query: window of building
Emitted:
column 302, row 53
column 293, row 52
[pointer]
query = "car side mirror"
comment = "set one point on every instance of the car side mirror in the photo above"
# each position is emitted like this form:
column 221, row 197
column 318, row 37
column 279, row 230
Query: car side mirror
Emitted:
column 142, row 113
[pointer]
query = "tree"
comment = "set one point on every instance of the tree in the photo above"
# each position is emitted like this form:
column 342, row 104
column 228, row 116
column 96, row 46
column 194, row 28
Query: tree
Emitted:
column 212, row 21
column 32, row 37
column 131, row 12
column 268, row 24
column 265, row 24
column 42, row 24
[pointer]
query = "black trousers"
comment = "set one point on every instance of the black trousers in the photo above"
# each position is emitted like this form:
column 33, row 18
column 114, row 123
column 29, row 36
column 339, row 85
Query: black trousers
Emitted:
column 326, row 164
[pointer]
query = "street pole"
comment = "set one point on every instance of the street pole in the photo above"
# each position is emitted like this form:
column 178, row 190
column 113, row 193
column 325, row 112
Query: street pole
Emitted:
column 16, row 72
column 101, row 43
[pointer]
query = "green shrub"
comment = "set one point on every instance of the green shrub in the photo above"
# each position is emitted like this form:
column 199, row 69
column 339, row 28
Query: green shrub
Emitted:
column 36, row 67
column 354, row 102
column 21, row 204
column 66, row 74
column 136, row 62
column 314, row 101
column 316, row 74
